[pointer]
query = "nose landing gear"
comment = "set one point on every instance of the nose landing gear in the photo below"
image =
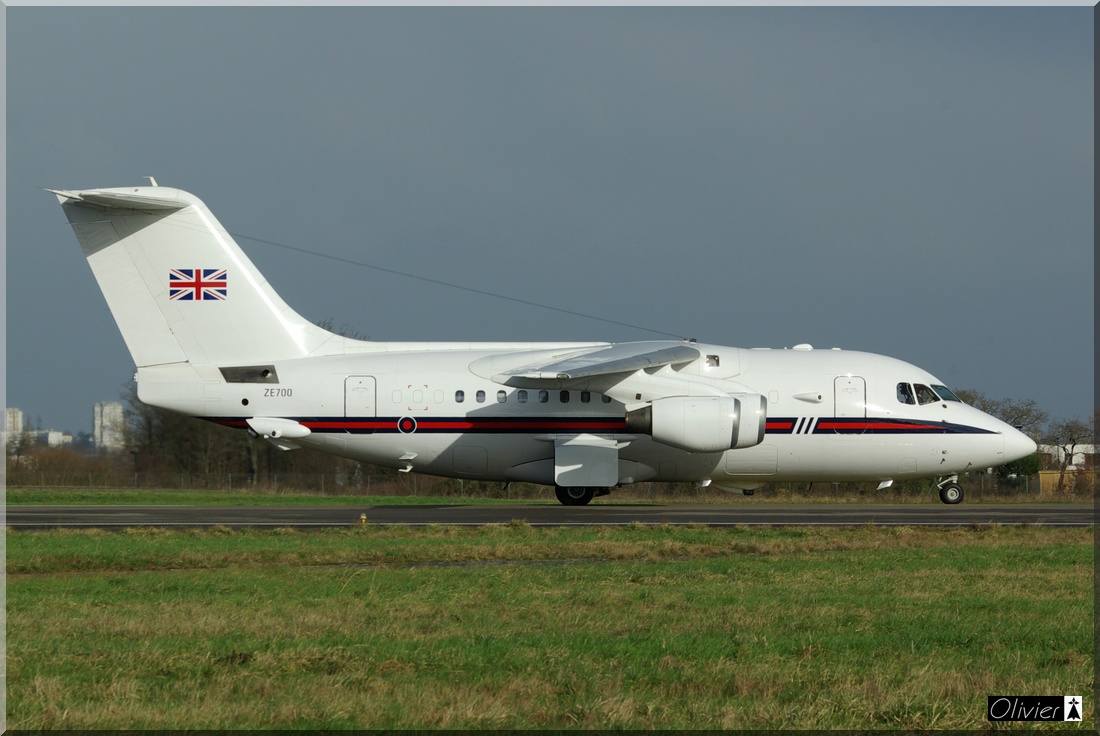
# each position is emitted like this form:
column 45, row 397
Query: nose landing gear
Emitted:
column 950, row 490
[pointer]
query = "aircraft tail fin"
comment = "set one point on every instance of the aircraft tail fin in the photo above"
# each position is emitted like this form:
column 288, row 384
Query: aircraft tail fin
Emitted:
column 178, row 285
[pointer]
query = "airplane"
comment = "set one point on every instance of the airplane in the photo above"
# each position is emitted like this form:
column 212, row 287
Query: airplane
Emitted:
column 212, row 339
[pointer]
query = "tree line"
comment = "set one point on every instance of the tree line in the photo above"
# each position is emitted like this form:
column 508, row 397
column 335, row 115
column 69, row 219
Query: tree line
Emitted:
column 1067, row 435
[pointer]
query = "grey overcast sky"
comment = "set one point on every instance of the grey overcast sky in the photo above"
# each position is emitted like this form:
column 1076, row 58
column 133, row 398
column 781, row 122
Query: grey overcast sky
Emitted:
column 910, row 181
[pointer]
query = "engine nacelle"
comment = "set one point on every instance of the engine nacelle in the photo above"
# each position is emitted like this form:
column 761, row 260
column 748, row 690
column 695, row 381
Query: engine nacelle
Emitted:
column 702, row 423
column 754, row 420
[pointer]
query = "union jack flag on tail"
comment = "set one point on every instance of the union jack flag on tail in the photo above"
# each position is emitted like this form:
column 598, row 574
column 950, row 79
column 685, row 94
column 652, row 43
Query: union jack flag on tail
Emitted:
column 197, row 284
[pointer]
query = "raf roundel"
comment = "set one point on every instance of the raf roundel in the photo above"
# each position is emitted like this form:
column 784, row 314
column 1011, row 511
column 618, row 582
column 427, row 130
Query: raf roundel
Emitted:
column 406, row 425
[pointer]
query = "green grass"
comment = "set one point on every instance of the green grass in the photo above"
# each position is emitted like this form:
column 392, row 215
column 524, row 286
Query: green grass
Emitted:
column 630, row 494
column 161, row 497
column 518, row 627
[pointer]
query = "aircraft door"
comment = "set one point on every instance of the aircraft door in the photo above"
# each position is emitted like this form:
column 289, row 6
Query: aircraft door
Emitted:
column 851, row 396
column 359, row 397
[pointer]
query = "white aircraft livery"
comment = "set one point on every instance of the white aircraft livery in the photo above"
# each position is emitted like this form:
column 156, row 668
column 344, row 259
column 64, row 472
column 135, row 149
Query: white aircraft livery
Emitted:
column 212, row 339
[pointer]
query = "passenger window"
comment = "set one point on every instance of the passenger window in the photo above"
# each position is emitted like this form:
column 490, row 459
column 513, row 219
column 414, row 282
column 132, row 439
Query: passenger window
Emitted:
column 460, row 396
column 586, row 396
column 501, row 397
column 544, row 396
column 481, row 397
column 606, row 399
column 565, row 397
column 925, row 395
column 521, row 396
column 712, row 361
column 905, row 394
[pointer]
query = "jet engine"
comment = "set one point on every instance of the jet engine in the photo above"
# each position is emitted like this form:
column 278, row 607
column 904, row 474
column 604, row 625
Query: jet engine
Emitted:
column 702, row 423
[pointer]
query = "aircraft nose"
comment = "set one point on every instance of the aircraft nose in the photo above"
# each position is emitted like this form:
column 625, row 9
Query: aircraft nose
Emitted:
column 1018, row 445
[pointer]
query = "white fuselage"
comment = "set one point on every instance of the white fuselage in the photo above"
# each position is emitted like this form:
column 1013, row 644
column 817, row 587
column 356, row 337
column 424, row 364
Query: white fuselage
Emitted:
column 433, row 408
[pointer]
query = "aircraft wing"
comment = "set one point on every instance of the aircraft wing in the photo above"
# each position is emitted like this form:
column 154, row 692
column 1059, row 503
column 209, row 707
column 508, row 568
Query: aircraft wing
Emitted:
column 620, row 358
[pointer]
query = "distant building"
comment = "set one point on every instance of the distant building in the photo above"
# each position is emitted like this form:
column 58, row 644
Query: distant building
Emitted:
column 107, row 426
column 13, row 421
column 13, row 426
column 1084, row 456
column 52, row 437
column 15, row 431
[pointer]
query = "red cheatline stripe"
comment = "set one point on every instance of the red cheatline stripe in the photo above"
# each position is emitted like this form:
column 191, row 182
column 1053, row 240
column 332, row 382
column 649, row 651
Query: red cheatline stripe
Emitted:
column 779, row 425
column 350, row 425
column 459, row 425
column 545, row 424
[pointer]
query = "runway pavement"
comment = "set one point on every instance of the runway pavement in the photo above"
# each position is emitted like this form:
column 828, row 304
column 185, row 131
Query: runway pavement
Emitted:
column 554, row 515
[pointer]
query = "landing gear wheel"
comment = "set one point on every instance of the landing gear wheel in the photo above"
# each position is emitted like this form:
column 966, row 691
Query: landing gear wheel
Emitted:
column 951, row 493
column 574, row 495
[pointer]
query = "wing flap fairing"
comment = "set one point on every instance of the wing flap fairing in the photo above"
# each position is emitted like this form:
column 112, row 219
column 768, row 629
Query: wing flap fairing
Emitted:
column 615, row 359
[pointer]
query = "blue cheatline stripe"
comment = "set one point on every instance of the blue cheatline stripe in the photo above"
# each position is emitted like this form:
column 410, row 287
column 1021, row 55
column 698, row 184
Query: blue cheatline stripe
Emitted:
column 865, row 425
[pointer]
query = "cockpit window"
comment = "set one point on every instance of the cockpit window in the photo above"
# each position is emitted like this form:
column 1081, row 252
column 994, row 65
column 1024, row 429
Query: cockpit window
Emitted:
column 925, row 395
column 945, row 393
column 905, row 394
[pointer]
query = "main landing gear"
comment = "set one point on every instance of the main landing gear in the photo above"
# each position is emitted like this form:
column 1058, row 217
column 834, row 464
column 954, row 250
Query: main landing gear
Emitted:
column 578, row 495
column 950, row 490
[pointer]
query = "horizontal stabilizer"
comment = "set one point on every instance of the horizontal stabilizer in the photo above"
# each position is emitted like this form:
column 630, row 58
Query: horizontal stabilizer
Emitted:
column 118, row 199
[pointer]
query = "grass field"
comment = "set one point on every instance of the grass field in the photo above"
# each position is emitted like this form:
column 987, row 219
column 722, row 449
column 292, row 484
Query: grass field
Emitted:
column 516, row 627
column 160, row 497
column 525, row 494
